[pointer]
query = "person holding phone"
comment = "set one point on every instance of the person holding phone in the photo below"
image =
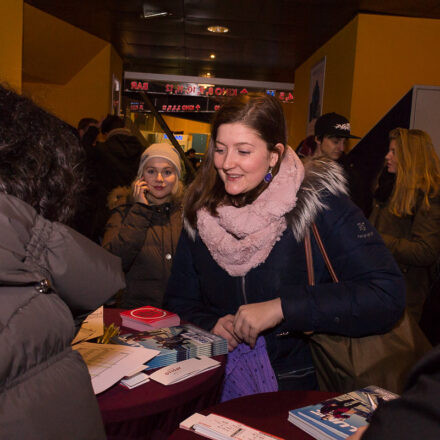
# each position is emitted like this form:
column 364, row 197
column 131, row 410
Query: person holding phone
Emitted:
column 144, row 226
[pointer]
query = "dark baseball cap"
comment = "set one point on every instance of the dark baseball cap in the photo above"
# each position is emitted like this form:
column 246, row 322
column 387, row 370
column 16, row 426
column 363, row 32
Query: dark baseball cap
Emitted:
column 332, row 124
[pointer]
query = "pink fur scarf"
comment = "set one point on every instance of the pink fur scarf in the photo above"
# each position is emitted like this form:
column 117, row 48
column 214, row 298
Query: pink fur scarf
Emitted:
column 240, row 239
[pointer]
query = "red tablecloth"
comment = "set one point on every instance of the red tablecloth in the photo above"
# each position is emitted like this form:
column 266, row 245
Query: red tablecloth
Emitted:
column 153, row 411
column 266, row 411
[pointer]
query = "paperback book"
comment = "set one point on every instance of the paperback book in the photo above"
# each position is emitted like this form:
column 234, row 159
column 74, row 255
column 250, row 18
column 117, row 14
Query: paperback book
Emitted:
column 148, row 318
column 176, row 343
column 341, row 416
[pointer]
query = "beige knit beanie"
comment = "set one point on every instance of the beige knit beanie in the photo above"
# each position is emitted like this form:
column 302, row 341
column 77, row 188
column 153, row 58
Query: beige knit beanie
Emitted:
column 164, row 151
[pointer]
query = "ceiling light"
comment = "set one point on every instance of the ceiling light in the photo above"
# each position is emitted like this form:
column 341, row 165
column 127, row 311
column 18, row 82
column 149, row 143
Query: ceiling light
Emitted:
column 218, row 29
column 153, row 14
column 212, row 56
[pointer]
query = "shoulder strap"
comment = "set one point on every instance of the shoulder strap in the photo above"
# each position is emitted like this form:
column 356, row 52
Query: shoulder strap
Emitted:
column 309, row 257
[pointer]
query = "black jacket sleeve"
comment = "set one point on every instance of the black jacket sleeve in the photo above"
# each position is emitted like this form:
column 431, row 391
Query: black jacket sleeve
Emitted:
column 416, row 414
column 183, row 294
column 370, row 295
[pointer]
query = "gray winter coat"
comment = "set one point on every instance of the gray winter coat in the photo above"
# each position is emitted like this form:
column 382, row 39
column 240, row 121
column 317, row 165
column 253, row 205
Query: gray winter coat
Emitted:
column 49, row 276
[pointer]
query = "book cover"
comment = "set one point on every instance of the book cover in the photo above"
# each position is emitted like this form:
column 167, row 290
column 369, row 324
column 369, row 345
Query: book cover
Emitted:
column 176, row 343
column 148, row 318
column 341, row 416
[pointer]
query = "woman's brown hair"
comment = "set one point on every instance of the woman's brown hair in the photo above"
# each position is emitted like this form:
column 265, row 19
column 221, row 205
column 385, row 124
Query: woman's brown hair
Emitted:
column 265, row 116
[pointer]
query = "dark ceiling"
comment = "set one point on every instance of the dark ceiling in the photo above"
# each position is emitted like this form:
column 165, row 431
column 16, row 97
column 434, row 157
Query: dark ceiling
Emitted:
column 267, row 39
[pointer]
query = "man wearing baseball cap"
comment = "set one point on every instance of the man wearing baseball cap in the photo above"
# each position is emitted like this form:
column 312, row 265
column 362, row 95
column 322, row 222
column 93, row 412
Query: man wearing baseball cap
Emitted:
column 331, row 134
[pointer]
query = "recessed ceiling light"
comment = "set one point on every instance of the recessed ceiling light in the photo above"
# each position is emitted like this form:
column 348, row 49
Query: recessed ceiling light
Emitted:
column 218, row 29
column 147, row 13
column 212, row 56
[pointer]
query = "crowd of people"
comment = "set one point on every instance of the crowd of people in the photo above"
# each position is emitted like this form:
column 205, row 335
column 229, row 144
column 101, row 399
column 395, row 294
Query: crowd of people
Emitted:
column 225, row 253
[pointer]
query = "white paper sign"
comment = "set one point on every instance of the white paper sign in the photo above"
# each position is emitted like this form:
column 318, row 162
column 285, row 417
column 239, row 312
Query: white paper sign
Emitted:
column 184, row 370
column 108, row 363
column 92, row 327
column 221, row 428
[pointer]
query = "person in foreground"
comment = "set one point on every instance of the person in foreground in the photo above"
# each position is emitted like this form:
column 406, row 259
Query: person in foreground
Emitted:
column 145, row 225
column 240, row 268
column 50, row 276
column 416, row 414
column 406, row 211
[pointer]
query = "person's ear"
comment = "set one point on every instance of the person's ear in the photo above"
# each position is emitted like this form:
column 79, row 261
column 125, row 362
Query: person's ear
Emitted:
column 275, row 155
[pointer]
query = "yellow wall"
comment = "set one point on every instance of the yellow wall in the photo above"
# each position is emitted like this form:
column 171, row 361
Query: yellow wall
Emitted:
column 186, row 125
column 66, row 70
column 371, row 63
column 87, row 94
column 340, row 55
column 392, row 55
column 11, row 37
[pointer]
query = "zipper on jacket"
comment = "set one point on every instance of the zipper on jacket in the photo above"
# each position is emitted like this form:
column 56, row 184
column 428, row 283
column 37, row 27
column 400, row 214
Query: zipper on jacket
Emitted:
column 243, row 289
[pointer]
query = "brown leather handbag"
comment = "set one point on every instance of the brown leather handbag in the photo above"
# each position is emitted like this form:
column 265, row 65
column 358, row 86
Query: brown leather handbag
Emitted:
column 347, row 363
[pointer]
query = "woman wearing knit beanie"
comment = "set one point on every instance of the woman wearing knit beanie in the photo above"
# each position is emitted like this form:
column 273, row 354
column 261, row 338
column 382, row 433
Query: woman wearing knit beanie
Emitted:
column 144, row 226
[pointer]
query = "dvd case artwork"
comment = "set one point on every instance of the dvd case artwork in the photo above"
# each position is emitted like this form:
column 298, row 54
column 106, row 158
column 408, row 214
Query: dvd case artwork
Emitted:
column 176, row 343
column 341, row 416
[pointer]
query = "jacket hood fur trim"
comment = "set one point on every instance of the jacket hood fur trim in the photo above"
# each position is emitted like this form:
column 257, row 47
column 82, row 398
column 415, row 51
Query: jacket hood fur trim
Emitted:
column 119, row 196
column 322, row 176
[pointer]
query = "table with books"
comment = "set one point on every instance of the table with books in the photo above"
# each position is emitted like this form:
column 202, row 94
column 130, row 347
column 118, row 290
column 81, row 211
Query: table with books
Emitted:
column 153, row 410
column 267, row 412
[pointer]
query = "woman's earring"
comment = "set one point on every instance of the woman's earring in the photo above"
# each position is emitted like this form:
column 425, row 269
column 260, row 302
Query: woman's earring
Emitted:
column 268, row 177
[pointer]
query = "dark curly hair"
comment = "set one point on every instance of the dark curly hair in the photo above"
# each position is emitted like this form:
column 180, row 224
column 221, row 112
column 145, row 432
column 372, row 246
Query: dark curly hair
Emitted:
column 41, row 159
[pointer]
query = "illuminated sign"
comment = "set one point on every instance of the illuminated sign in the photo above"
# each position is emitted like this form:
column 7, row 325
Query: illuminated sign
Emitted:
column 197, row 90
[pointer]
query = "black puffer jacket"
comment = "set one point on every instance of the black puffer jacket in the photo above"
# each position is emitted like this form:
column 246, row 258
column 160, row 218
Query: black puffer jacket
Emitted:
column 110, row 164
column 145, row 237
column 369, row 299
column 49, row 275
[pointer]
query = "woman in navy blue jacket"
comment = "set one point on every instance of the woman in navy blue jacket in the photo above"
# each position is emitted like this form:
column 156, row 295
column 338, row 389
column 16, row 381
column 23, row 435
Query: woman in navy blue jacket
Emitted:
column 240, row 268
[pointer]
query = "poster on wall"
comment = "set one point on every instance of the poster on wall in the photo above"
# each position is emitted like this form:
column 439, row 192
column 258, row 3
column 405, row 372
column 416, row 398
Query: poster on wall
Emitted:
column 316, row 94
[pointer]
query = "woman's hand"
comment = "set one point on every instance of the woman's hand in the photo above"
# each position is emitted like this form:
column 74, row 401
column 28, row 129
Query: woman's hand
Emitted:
column 251, row 319
column 225, row 329
column 139, row 189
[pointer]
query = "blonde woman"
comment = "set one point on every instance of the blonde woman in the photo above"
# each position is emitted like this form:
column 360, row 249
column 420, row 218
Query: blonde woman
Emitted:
column 407, row 215
column 145, row 225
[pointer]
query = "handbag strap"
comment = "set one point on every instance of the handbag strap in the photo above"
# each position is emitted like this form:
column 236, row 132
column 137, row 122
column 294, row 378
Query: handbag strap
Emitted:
column 309, row 257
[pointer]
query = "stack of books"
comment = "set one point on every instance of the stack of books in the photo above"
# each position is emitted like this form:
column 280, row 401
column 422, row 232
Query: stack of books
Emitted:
column 341, row 416
column 148, row 318
column 176, row 343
